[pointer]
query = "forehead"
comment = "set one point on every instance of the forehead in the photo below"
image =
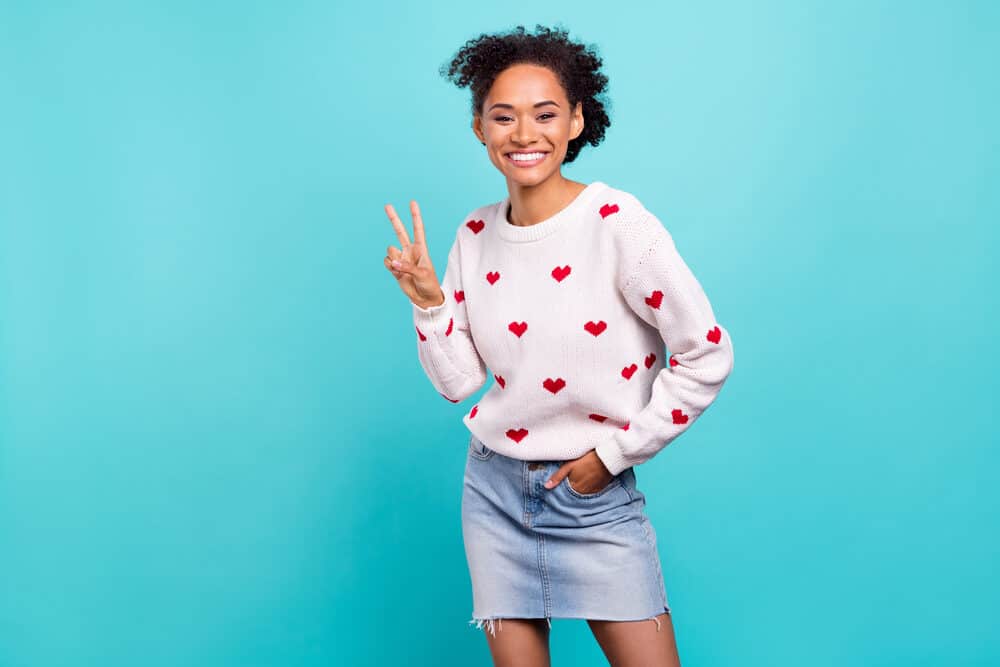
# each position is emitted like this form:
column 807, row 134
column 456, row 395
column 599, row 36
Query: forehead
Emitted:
column 523, row 85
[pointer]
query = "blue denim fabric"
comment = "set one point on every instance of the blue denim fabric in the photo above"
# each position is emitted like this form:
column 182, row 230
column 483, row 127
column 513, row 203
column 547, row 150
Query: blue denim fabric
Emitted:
column 556, row 553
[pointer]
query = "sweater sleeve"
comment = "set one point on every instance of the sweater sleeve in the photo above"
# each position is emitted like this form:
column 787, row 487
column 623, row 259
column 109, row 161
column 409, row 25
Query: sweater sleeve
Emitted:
column 445, row 346
column 660, row 288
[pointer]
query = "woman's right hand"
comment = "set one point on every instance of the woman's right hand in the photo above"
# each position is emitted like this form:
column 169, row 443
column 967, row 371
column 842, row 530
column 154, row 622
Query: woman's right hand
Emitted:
column 412, row 265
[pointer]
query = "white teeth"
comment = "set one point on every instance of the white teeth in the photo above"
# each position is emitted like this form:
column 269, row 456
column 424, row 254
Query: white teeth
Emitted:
column 526, row 157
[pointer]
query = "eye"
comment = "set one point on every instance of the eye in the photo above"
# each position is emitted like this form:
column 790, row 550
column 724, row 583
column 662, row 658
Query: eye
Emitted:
column 545, row 116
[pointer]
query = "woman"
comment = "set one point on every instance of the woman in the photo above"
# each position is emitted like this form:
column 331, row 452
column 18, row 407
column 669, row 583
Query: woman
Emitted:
column 567, row 292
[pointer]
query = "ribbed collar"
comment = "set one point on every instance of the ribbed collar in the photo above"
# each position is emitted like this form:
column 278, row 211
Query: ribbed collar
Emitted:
column 540, row 230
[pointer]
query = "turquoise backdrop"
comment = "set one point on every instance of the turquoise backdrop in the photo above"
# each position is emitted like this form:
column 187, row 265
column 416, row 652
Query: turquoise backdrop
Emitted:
column 217, row 446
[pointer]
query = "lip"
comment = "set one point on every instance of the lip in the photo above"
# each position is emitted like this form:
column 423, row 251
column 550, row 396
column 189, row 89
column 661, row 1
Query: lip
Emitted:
column 525, row 165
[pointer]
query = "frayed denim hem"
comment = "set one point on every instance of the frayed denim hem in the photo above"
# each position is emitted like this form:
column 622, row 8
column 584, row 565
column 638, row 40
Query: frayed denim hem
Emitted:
column 491, row 624
column 655, row 618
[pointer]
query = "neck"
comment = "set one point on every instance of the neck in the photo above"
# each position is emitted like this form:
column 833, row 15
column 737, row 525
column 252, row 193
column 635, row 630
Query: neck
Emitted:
column 531, row 204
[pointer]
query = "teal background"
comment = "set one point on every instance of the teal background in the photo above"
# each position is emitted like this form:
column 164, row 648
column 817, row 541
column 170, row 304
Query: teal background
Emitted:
column 217, row 446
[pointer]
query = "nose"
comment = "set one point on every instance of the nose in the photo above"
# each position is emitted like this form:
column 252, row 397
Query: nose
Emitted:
column 523, row 135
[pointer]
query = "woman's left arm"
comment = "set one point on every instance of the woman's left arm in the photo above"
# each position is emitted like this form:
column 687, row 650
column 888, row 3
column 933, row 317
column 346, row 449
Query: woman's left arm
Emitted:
column 660, row 288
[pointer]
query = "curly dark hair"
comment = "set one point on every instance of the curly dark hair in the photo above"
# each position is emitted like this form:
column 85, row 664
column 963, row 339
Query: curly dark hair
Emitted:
column 481, row 60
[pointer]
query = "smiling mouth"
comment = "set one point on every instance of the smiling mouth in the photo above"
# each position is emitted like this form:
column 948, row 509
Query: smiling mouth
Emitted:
column 534, row 157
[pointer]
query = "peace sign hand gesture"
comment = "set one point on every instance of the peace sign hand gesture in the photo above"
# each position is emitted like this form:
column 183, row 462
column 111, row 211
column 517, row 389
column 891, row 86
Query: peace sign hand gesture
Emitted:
column 412, row 265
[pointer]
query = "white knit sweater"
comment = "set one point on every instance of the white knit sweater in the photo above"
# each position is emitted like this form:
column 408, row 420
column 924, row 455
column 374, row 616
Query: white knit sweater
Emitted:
column 571, row 315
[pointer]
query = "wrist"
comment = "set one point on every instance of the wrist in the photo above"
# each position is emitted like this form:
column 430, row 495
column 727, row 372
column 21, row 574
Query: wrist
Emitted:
column 426, row 305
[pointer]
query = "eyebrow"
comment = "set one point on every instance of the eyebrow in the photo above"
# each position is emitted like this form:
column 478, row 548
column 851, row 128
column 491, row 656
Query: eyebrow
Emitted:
column 511, row 106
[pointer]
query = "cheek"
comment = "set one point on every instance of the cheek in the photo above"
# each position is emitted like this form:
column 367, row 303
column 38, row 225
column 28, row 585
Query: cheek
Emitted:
column 559, row 135
column 496, row 157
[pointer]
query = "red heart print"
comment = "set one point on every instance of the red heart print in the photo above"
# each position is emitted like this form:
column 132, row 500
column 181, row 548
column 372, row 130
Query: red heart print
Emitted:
column 596, row 328
column 451, row 323
column 420, row 333
column 459, row 295
column 650, row 360
column 655, row 299
column 453, row 400
column 561, row 272
column 673, row 362
column 475, row 225
column 608, row 209
column 493, row 276
column 596, row 417
column 518, row 328
column 628, row 371
column 679, row 416
column 715, row 335
column 554, row 385
column 475, row 409
column 625, row 427
column 518, row 435
column 500, row 380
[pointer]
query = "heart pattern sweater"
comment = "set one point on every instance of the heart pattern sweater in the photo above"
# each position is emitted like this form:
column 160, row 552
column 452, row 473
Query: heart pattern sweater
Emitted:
column 596, row 333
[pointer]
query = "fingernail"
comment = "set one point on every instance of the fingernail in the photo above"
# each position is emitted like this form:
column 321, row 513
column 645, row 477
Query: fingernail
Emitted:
column 396, row 264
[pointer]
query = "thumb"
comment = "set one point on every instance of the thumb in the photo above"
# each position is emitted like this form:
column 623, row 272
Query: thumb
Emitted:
column 557, row 476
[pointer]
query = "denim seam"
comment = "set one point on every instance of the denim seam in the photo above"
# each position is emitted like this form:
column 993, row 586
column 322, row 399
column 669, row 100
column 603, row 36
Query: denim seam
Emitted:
column 544, row 573
column 655, row 561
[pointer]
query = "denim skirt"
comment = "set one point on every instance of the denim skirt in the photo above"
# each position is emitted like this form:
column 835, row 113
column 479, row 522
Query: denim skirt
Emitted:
column 534, row 552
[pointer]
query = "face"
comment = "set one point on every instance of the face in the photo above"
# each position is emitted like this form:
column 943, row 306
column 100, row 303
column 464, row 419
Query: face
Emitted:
column 526, row 111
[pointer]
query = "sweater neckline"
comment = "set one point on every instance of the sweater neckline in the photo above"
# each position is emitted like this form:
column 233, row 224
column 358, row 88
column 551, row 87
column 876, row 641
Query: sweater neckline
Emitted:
column 539, row 230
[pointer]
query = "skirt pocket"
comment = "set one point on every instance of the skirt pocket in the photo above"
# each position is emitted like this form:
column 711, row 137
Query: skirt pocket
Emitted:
column 479, row 450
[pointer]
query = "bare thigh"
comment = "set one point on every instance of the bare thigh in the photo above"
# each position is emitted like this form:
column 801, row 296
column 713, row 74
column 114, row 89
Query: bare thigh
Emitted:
column 517, row 642
column 637, row 643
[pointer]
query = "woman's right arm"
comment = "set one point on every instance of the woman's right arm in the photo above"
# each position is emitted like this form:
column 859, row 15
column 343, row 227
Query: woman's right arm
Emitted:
column 445, row 346
column 444, row 342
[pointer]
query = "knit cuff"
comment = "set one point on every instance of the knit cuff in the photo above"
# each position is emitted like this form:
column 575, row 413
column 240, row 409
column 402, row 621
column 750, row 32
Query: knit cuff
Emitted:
column 433, row 316
column 612, row 456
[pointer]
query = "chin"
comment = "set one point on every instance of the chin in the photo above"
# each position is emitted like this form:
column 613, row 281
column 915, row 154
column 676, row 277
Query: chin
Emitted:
column 532, row 179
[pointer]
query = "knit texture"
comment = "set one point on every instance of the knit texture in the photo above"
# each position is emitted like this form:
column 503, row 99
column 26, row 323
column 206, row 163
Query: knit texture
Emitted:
column 574, row 318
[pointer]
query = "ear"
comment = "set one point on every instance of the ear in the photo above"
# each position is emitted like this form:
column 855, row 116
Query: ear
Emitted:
column 477, row 128
column 578, row 123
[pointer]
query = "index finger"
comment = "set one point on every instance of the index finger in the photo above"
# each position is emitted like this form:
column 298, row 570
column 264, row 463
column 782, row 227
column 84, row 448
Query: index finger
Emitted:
column 404, row 238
